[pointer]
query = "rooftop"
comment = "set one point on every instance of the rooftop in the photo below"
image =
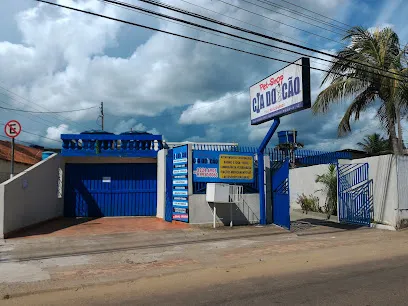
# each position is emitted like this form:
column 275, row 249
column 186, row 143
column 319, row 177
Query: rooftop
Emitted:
column 22, row 154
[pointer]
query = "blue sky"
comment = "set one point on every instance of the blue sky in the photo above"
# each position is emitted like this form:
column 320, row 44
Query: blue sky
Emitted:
column 61, row 60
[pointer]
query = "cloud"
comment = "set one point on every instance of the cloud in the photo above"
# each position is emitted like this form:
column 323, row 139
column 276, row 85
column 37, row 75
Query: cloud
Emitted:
column 131, row 124
column 228, row 107
column 66, row 60
column 54, row 133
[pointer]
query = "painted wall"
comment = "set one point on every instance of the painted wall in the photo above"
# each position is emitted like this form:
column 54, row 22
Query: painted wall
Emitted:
column 31, row 197
column 201, row 212
column 161, row 183
column 302, row 180
column 5, row 169
column 383, row 171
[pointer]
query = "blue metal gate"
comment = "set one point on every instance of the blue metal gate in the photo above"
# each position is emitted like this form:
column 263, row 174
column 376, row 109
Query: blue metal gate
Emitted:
column 355, row 194
column 168, row 214
column 99, row 190
column 280, row 193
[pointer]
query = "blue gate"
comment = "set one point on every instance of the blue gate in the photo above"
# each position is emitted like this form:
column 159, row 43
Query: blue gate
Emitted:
column 110, row 190
column 280, row 193
column 355, row 194
column 168, row 214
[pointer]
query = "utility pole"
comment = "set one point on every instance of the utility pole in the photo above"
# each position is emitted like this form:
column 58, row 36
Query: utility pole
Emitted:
column 102, row 117
column 12, row 158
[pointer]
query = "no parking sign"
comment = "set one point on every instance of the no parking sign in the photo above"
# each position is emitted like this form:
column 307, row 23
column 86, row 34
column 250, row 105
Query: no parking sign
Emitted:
column 12, row 129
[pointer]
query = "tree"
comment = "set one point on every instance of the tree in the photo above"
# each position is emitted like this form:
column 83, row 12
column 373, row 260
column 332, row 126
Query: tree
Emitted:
column 374, row 144
column 365, row 85
column 329, row 181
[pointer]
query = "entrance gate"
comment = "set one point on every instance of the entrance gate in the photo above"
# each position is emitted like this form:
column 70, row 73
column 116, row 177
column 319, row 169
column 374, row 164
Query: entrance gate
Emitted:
column 355, row 194
column 280, row 193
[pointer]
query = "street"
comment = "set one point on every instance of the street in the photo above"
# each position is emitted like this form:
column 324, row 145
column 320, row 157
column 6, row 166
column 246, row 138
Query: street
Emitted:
column 348, row 267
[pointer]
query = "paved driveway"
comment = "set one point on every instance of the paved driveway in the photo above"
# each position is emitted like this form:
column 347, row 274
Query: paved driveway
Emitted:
column 68, row 227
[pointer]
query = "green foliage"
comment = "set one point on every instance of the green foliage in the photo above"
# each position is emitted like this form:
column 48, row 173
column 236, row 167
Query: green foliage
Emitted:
column 363, row 86
column 375, row 144
column 309, row 203
column 329, row 181
column 97, row 147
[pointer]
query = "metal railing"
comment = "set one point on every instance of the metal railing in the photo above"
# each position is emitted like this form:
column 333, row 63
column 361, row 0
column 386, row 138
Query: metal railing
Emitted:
column 111, row 145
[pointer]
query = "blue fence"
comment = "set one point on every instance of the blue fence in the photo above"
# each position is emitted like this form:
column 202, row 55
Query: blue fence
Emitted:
column 302, row 158
column 111, row 145
column 200, row 188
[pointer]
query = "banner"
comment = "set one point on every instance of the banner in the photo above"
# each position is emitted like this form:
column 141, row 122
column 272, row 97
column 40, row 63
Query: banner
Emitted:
column 284, row 92
column 180, row 183
column 223, row 167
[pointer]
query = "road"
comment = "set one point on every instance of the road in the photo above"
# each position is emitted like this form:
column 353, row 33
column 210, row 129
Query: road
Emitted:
column 350, row 268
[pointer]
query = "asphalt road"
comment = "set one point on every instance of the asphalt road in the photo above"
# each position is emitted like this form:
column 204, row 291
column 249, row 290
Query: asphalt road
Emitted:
column 372, row 283
column 375, row 283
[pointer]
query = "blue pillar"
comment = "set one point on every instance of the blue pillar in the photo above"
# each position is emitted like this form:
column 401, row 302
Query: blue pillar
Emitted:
column 261, row 169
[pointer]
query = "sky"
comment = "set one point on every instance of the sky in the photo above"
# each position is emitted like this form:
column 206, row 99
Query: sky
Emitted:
column 52, row 59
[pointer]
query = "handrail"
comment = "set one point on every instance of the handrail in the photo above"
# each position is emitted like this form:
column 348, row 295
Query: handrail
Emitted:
column 111, row 145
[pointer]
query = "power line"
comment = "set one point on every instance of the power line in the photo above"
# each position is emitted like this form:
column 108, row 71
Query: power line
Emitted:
column 172, row 8
column 31, row 103
column 303, row 8
column 195, row 39
column 19, row 141
column 309, row 23
column 55, row 112
column 209, row 32
column 271, row 3
column 43, row 121
column 278, row 21
column 23, row 131
column 236, row 19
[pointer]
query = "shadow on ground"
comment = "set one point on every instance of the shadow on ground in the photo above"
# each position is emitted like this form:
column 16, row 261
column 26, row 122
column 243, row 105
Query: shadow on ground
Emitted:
column 328, row 223
column 49, row 227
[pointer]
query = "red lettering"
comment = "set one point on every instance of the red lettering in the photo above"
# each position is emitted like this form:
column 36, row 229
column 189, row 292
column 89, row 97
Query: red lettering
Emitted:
column 272, row 81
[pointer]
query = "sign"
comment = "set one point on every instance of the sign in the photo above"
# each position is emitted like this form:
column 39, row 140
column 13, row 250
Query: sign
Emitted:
column 12, row 128
column 284, row 92
column 180, row 183
column 223, row 167
column 106, row 179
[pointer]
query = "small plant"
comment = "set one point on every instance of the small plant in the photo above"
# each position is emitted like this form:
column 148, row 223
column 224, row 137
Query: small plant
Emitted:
column 329, row 181
column 308, row 203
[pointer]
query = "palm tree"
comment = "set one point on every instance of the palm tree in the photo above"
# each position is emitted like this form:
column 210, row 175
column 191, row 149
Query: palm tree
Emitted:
column 365, row 85
column 374, row 144
column 329, row 180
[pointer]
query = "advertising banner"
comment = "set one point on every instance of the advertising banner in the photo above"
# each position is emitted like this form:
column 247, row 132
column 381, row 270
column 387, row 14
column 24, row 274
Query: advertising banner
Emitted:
column 180, row 183
column 284, row 92
column 223, row 167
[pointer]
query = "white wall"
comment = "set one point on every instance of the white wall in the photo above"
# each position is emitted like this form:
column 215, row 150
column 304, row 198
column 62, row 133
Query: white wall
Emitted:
column 31, row 197
column 302, row 180
column 201, row 212
column 383, row 171
column 5, row 169
column 161, row 183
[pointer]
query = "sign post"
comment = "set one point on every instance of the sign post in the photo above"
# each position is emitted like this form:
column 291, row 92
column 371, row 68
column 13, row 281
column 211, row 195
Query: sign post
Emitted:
column 282, row 93
column 12, row 129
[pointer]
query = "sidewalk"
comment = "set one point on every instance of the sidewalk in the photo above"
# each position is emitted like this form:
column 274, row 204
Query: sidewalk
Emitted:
column 54, row 246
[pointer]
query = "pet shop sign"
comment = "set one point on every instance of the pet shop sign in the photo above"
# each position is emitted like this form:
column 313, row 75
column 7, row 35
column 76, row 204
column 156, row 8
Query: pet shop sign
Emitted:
column 285, row 92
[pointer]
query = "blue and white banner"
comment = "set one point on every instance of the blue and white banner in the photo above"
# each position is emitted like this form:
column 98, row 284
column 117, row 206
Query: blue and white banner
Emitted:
column 284, row 92
column 223, row 167
column 180, row 183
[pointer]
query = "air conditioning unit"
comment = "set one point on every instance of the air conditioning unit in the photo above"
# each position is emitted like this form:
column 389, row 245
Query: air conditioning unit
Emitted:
column 218, row 193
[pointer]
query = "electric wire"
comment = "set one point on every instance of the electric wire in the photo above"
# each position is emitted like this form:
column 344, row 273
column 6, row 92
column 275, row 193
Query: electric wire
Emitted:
column 169, row 7
column 50, row 112
column 31, row 103
column 268, row 9
column 274, row 4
